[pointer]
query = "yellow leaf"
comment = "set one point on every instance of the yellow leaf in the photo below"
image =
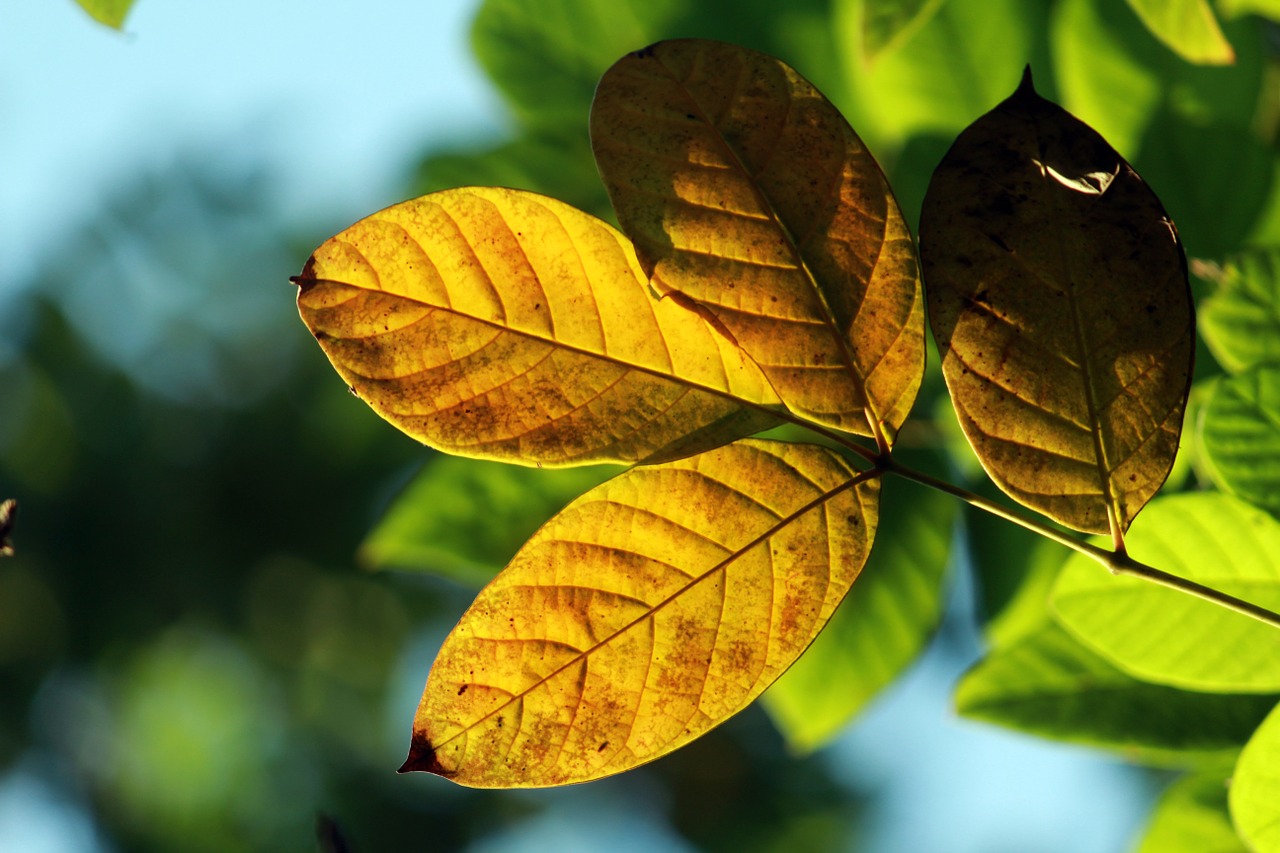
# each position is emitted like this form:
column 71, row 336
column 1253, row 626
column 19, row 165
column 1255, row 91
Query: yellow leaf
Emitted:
column 647, row 612
column 748, row 195
column 505, row 325
column 1058, row 295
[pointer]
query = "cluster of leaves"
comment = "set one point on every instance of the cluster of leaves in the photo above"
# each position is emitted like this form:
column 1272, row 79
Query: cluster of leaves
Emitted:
column 498, row 324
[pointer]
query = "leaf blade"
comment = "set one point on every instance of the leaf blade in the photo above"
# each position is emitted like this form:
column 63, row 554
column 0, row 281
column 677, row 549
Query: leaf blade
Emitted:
column 1048, row 684
column 1191, row 817
column 883, row 624
column 682, row 558
column 504, row 325
column 1240, row 321
column 1070, row 388
column 1239, row 433
column 1255, row 787
column 1167, row 637
column 748, row 194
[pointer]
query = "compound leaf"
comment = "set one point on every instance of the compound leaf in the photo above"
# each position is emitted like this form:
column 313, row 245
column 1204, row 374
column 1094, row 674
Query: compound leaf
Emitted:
column 1255, row 787
column 647, row 612
column 505, row 325
column 1058, row 295
column 1168, row 637
column 1239, row 433
column 750, row 198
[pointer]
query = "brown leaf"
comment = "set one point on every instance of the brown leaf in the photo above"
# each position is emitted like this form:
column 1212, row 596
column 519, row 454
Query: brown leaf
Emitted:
column 748, row 195
column 1058, row 295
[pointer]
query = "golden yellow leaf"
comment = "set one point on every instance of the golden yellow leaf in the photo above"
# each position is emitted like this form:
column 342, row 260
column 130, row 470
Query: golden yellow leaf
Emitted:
column 1058, row 295
column 748, row 196
column 505, row 325
column 647, row 612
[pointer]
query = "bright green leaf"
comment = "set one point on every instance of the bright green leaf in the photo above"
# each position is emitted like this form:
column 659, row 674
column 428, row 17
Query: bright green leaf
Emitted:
column 109, row 12
column 889, row 24
column 464, row 519
column 883, row 624
column 1169, row 637
column 1116, row 76
column 1255, row 788
column 1240, row 321
column 1191, row 817
column 1188, row 27
column 1048, row 684
column 956, row 67
column 1239, row 433
column 1058, row 296
column 650, row 610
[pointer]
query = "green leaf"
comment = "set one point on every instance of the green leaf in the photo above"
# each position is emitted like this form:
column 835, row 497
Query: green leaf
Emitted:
column 1239, row 433
column 1255, row 787
column 1116, row 76
column 1058, row 296
column 1048, row 684
column 109, row 12
column 955, row 67
column 1169, row 637
column 1240, row 321
column 547, row 57
column 883, row 624
column 889, row 24
column 1191, row 817
column 464, row 519
column 1237, row 8
column 1188, row 27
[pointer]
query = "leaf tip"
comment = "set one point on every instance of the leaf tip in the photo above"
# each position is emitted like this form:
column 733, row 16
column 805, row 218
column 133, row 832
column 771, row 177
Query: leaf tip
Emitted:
column 422, row 757
column 1027, row 86
column 306, row 279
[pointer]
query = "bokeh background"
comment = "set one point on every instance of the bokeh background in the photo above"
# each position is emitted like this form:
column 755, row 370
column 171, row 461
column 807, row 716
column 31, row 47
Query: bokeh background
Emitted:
column 192, row 656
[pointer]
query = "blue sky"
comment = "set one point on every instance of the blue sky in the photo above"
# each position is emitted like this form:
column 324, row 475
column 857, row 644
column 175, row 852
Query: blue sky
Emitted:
column 342, row 94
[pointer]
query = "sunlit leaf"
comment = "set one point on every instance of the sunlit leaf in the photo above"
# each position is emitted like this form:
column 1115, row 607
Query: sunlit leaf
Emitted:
column 883, row 624
column 1169, row 637
column 1191, row 817
column 109, row 12
column 1059, row 299
column 888, row 24
column 1240, row 321
column 465, row 519
column 750, row 198
column 504, row 325
column 1239, row 434
column 1048, row 684
column 1255, row 787
column 1188, row 27
column 647, row 612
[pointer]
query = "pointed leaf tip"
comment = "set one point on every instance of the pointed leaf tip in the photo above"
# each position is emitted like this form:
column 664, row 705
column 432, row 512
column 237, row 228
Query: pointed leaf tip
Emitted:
column 422, row 757
column 1027, row 86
